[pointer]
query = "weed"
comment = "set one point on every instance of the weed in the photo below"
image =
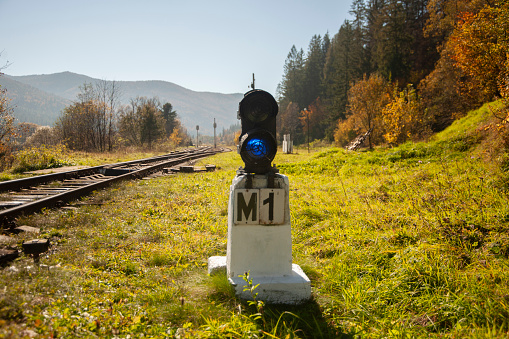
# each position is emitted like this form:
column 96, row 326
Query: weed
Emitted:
column 223, row 290
column 10, row 309
column 42, row 157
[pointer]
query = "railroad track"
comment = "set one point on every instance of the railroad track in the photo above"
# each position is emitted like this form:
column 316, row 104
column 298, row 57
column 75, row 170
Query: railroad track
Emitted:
column 29, row 195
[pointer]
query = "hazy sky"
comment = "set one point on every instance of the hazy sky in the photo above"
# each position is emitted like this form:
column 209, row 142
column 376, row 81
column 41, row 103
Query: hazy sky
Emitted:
column 202, row 45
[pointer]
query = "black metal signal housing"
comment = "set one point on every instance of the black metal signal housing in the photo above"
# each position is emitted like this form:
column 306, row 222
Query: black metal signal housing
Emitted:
column 258, row 146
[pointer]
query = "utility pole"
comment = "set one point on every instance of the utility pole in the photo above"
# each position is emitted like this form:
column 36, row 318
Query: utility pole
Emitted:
column 253, row 83
column 307, row 118
column 197, row 128
column 215, row 125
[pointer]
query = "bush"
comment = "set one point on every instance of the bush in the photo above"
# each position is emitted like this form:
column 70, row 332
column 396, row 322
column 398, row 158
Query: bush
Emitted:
column 42, row 157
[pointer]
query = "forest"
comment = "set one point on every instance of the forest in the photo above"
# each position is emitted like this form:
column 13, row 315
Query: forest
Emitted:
column 404, row 69
column 399, row 69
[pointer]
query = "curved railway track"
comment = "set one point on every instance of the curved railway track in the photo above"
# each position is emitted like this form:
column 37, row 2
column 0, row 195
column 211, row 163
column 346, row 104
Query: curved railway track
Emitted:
column 29, row 195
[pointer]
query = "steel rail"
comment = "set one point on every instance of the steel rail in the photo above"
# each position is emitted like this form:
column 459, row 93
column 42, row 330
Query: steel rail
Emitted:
column 17, row 184
column 8, row 215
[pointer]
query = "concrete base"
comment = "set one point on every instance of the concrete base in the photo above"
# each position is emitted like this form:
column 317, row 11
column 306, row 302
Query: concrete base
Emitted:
column 286, row 289
column 216, row 265
column 260, row 241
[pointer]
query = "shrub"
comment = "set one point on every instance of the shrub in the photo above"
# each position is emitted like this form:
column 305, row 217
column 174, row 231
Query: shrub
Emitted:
column 42, row 157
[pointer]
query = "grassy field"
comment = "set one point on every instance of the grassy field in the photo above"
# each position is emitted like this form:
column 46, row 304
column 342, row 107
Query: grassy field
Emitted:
column 53, row 157
column 398, row 243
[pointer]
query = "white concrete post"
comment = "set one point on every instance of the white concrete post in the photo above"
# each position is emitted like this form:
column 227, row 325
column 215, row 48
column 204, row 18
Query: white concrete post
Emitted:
column 259, row 241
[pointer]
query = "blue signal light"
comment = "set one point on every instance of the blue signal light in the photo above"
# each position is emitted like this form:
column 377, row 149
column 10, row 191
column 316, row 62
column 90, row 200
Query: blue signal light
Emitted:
column 257, row 141
column 258, row 148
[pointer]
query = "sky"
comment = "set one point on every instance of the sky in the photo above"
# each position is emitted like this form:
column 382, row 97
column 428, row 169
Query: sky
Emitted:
column 212, row 46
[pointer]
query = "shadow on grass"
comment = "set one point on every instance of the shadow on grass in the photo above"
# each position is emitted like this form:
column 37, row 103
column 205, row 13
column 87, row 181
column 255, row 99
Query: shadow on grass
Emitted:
column 279, row 321
column 305, row 321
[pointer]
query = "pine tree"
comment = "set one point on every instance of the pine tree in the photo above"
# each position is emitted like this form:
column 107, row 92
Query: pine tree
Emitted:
column 343, row 66
column 313, row 68
column 170, row 118
column 359, row 23
column 142, row 122
column 292, row 86
column 290, row 123
column 396, row 42
column 152, row 124
column 326, row 43
column 291, row 92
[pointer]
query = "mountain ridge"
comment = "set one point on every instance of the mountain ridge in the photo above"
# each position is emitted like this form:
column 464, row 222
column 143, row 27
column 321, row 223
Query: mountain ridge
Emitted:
column 31, row 104
column 193, row 108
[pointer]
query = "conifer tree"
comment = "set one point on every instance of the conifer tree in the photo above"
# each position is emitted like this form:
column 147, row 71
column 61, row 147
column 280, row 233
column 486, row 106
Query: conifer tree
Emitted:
column 397, row 45
column 152, row 126
column 291, row 91
column 170, row 118
column 313, row 68
column 343, row 66
column 325, row 49
column 292, row 85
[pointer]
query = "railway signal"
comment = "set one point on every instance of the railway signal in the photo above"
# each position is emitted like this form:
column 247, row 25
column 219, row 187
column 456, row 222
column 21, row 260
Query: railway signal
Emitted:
column 257, row 113
column 259, row 223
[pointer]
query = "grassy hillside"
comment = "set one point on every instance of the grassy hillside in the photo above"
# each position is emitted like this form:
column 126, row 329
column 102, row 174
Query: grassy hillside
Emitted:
column 404, row 242
column 31, row 104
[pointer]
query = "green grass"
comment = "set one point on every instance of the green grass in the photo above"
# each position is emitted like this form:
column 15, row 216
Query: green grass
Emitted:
column 43, row 157
column 469, row 123
column 398, row 243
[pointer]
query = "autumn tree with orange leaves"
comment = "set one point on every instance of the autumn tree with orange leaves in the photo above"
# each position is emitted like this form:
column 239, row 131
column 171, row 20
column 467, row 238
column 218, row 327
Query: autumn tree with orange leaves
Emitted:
column 402, row 116
column 312, row 120
column 481, row 49
column 7, row 127
column 6, row 130
column 366, row 100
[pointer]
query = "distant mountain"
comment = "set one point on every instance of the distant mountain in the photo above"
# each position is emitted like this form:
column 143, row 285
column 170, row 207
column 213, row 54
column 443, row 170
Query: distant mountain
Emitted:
column 31, row 104
column 193, row 108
